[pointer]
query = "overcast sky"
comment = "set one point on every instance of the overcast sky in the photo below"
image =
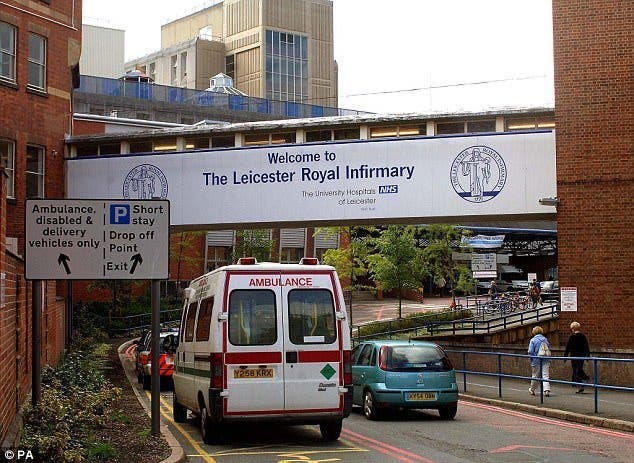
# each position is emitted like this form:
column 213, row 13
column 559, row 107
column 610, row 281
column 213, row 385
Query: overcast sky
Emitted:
column 401, row 55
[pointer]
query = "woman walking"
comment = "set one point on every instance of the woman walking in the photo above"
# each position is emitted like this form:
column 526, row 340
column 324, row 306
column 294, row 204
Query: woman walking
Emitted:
column 539, row 350
column 577, row 346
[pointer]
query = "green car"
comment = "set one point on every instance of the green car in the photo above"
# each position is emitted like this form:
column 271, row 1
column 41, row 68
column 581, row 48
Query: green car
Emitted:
column 403, row 374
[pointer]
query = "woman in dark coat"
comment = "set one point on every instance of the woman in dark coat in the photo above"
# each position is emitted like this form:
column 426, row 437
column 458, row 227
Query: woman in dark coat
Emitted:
column 577, row 346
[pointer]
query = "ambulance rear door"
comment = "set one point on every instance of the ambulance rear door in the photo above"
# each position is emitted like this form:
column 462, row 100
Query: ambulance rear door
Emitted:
column 313, row 342
column 253, row 344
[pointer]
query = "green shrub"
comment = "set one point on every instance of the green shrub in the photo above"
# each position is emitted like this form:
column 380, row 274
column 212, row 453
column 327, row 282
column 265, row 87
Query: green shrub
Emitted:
column 411, row 321
column 75, row 396
column 101, row 450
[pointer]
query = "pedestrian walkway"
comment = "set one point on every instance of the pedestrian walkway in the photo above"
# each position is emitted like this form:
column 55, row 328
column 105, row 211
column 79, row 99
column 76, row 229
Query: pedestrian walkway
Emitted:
column 615, row 408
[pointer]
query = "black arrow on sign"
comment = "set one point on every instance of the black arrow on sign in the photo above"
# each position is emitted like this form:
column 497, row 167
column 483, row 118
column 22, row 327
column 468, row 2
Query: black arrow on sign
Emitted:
column 136, row 259
column 63, row 259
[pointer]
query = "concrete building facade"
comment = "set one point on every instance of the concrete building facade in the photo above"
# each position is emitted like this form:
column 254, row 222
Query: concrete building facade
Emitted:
column 275, row 49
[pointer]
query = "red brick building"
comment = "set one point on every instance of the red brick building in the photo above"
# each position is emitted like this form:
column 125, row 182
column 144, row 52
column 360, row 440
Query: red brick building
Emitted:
column 40, row 43
column 594, row 106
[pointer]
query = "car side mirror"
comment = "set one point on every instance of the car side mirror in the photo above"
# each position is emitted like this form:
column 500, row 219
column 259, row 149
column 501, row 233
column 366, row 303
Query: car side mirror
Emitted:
column 170, row 343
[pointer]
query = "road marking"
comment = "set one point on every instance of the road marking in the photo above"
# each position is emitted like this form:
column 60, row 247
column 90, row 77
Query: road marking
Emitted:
column 208, row 458
column 386, row 449
column 540, row 419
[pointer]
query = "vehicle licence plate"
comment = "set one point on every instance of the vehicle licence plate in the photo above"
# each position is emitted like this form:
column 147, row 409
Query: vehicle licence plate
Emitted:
column 249, row 373
column 421, row 396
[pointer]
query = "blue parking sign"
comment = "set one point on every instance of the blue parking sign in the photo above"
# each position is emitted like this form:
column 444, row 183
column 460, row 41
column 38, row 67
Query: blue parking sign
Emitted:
column 120, row 214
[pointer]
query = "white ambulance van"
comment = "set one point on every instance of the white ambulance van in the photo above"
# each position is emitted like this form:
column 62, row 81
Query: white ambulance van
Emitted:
column 264, row 342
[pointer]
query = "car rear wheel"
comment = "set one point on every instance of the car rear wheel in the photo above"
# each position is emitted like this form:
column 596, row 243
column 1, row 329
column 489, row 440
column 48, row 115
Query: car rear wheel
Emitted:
column 448, row 412
column 331, row 430
column 180, row 412
column 369, row 407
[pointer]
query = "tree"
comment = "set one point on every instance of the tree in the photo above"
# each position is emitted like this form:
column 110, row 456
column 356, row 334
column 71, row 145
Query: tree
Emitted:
column 253, row 243
column 442, row 241
column 396, row 262
column 180, row 249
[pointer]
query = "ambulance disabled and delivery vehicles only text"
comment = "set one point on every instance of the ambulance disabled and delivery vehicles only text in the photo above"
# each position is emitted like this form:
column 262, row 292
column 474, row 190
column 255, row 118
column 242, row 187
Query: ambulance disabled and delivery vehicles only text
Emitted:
column 264, row 342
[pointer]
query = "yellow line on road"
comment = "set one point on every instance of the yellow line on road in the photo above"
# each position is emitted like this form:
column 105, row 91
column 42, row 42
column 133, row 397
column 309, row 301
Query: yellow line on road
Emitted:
column 208, row 458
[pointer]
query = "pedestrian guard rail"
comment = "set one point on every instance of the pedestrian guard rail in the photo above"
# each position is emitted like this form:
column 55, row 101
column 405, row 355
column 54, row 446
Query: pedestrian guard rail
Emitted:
column 504, row 317
column 596, row 384
column 482, row 323
column 137, row 322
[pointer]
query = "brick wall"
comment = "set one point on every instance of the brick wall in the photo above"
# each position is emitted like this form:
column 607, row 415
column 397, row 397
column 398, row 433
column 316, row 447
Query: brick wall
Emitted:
column 594, row 106
column 32, row 118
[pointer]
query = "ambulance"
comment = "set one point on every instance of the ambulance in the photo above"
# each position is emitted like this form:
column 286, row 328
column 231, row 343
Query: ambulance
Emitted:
column 264, row 342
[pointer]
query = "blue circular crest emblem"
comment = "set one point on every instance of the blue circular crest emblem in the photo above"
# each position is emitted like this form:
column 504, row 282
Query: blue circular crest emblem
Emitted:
column 145, row 181
column 478, row 174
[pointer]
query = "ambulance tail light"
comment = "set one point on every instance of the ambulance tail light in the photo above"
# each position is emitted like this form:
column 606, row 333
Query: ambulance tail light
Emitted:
column 347, row 367
column 217, row 369
column 247, row 261
column 309, row 261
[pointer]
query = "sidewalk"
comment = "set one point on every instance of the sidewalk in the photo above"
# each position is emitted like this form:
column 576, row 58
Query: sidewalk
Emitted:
column 615, row 408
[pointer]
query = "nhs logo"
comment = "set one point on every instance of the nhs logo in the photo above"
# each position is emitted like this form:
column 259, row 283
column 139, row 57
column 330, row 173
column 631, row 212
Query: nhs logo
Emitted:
column 383, row 189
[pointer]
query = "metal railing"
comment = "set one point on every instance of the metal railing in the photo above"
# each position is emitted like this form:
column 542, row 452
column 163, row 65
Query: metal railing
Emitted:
column 167, row 94
column 507, row 319
column 596, row 385
column 137, row 322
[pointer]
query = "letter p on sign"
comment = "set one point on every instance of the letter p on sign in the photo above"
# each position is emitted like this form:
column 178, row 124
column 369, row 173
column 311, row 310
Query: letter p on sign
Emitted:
column 119, row 214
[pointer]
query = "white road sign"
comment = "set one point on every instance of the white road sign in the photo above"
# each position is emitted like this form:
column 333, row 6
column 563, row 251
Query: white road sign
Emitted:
column 484, row 262
column 568, row 299
column 86, row 239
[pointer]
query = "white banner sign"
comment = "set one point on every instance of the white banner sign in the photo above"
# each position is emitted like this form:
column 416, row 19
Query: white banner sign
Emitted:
column 568, row 299
column 376, row 181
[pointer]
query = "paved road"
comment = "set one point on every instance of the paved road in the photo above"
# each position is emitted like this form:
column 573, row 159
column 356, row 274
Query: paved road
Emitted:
column 481, row 433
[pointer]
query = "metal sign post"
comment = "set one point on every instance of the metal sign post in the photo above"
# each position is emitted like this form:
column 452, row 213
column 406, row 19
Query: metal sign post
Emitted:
column 97, row 239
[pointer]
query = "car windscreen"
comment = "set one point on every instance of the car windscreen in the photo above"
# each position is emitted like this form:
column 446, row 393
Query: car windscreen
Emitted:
column 417, row 358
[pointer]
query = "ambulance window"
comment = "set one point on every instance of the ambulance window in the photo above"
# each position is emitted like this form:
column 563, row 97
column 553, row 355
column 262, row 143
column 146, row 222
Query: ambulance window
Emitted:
column 189, row 322
column 204, row 319
column 252, row 317
column 311, row 315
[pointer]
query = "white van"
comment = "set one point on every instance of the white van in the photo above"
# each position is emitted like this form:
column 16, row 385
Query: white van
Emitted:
column 264, row 342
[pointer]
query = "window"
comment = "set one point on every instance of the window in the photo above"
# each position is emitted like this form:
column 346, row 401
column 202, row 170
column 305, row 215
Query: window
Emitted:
column 140, row 146
column 167, row 144
column 286, row 66
column 152, row 74
column 365, row 355
column 173, row 69
column 34, row 171
column 223, row 142
column 311, row 314
column 196, row 143
column 217, row 256
column 481, row 126
column 203, row 324
column 230, row 68
column 37, row 62
column 190, row 320
column 318, row 135
column 7, row 160
column 252, row 318
column 447, row 128
column 183, row 69
column 346, row 134
column 7, row 52
column 291, row 255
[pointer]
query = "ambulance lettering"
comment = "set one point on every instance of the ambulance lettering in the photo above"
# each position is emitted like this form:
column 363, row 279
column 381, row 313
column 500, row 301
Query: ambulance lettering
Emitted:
column 296, row 282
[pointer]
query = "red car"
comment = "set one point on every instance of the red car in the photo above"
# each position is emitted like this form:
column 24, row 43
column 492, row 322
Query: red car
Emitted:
column 144, row 360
